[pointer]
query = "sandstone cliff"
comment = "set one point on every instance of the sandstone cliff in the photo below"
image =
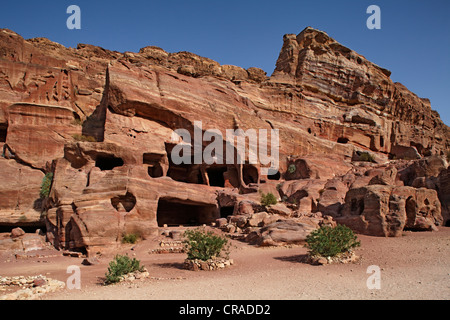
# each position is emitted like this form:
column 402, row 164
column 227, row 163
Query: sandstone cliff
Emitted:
column 103, row 123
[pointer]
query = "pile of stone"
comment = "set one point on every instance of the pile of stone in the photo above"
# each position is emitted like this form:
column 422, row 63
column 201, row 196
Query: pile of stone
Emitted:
column 170, row 243
column 30, row 288
column 167, row 250
column 169, row 247
column 244, row 223
column 279, row 226
column 208, row 265
column 137, row 275
column 346, row 257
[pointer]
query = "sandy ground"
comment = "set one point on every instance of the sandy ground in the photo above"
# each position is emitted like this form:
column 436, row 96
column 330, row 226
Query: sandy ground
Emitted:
column 414, row 266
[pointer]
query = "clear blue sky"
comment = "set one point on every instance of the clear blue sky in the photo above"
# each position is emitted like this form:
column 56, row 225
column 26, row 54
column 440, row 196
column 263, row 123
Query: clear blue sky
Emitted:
column 414, row 40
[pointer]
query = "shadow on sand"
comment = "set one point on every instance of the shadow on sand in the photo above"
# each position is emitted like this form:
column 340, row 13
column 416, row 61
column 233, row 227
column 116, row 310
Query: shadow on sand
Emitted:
column 175, row 265
column 300, row 258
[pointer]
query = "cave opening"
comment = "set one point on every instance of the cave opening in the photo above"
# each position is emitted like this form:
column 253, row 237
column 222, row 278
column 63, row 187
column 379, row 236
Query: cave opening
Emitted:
column 226, row 211
column 3, row 132
column 216, row 176
column 343, row 140
column 106, row 163
column 410, row 207
column 275, row 176
column 175, row 212
column 155, row 171
column 127, row 202
column 250, row 174
column 188, row 173
column 153, row 163
column 185, row 173
column 357, row 206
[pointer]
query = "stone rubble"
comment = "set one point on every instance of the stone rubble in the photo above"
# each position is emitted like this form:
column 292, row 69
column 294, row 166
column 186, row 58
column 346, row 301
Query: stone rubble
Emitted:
column 344, row 258
column 30, row 288
column 137, row 275
column 208, row 265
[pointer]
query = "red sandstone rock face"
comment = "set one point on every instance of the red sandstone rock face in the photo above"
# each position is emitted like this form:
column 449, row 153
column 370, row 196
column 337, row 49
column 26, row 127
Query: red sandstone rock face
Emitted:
column 103, row 123
column 389, row 113
column 386, row 210
column 19, row 194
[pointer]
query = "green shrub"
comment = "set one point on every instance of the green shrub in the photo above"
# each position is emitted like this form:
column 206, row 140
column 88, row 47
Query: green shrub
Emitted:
column 329, row 242
column 131, row 238
column 365, row 156
column 203, row 245
column 292, row 168
column 46, row 185
column 83, row 138
column 268, row 199
column 120, row 266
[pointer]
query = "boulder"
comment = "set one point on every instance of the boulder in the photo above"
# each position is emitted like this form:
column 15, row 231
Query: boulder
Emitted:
column 279, row 209
column 239, row 220
column 256, row 220
column 316, row 166
column 405, row 152
column 221, row 222
column 380, row 210
column 281, row 233
column 257, row 74
column 17, row 232
column 245, row 207
column 386, row 177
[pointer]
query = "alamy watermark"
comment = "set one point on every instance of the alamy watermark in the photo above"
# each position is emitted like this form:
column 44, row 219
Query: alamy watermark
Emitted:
column 74, row 280
column 374, row 280
column 74, row 20
column 374, row 21
column 231, row 150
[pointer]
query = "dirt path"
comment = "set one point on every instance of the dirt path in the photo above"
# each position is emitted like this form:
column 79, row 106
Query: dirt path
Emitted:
column 415, row 266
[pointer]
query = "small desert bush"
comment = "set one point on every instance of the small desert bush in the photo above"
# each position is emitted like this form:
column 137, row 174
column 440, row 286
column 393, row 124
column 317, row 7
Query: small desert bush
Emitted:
column 292, row 168
column 329, row 242
column 131, row 238
column 120, row 266
column 365, row 156
column 203, row 245
column 268, row 199
column 46, row 185
column 83, row 138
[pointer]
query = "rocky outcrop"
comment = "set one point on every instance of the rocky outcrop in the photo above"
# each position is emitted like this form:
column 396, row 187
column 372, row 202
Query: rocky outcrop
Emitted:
column 31, row 288
column 104, row 123
column 382, row 210
column 444, row 194
column 389, row 112
column 20, row 203
column 281, row 233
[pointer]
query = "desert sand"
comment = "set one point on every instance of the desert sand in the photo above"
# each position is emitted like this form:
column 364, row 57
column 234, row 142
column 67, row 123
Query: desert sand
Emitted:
column 414, row 266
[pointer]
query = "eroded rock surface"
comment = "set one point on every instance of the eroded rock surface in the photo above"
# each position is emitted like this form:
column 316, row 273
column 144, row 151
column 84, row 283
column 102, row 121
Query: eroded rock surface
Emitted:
column 104, row 124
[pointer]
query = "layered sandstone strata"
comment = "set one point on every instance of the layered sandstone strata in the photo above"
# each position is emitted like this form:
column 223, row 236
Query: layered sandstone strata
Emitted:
column 104, row 124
